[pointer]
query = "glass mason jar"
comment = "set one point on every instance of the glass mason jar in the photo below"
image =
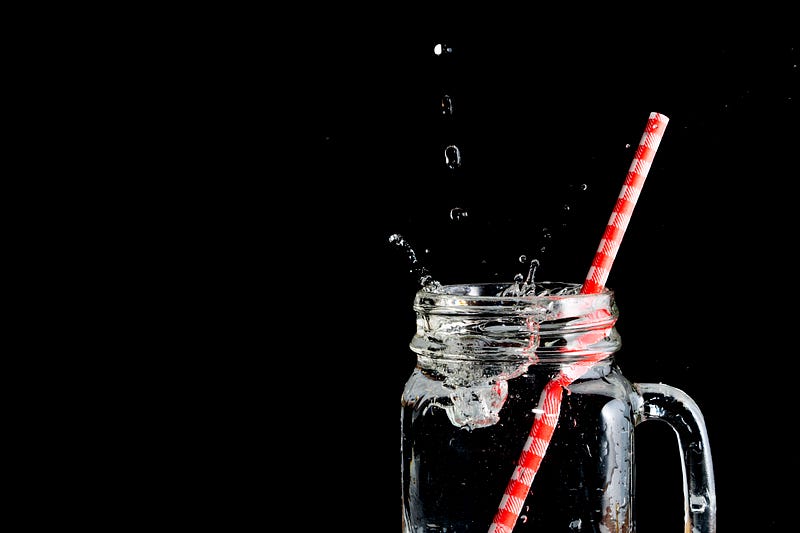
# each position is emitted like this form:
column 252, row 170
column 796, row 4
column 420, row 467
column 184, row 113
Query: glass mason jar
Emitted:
column 484, row 362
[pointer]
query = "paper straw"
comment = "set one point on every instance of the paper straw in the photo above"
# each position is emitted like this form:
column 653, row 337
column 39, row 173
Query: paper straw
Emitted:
column 549, row 408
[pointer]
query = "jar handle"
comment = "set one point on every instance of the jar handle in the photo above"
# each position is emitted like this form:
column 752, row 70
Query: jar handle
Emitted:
column 676, row 408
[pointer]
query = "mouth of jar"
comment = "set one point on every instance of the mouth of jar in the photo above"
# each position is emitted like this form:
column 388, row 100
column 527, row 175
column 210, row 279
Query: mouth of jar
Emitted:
column 467, row 321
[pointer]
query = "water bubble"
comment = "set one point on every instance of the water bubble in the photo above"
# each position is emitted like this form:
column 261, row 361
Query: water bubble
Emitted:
column 458, row 213
column 452, row 156
column 447, row 105
column 442, row 48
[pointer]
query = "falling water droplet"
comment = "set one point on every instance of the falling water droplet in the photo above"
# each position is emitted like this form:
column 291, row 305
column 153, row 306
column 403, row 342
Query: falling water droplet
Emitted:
column 458, row 213
column 452, row 156
column 524, row 518
column 447, row 105
column 627, row 145
column 523, row 258
column 442, row 48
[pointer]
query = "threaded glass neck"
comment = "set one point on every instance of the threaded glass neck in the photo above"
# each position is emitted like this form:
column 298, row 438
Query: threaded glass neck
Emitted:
column 477, row 322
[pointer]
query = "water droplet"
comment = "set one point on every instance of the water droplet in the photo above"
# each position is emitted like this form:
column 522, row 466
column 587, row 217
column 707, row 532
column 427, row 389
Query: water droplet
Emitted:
column 518, row 278
column 532, row 272
column 442, row 48
column 524, row 518
column 452, row 156
column 565, row 208
column 458, row 213
column 523, row 258
column 696, row 447
column 627, row 145
column 447, row 105
column 698, row 504
column 423, row 277
column 546, row 234
column 575, row 525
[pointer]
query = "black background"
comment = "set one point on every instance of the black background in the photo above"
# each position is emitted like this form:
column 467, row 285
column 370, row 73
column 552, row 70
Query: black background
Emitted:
column 704, row 275
column 253, row 317
column 302, row 153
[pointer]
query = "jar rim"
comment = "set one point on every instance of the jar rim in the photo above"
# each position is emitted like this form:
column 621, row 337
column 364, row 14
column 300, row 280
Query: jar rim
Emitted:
column 490, row 293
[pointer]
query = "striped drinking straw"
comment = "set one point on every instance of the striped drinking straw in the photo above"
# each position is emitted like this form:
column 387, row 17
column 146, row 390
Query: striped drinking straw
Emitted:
column 549, row 408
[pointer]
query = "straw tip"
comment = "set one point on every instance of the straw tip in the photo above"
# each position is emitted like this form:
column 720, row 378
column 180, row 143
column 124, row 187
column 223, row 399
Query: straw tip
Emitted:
column 656, row 124
column 661, row 117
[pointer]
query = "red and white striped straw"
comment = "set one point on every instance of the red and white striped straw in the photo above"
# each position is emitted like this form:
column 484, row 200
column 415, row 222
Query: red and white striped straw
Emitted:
column 549, row 408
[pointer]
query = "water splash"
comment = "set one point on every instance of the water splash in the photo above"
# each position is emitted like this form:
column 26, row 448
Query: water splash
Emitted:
column 523, row 285
column 425, row 280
